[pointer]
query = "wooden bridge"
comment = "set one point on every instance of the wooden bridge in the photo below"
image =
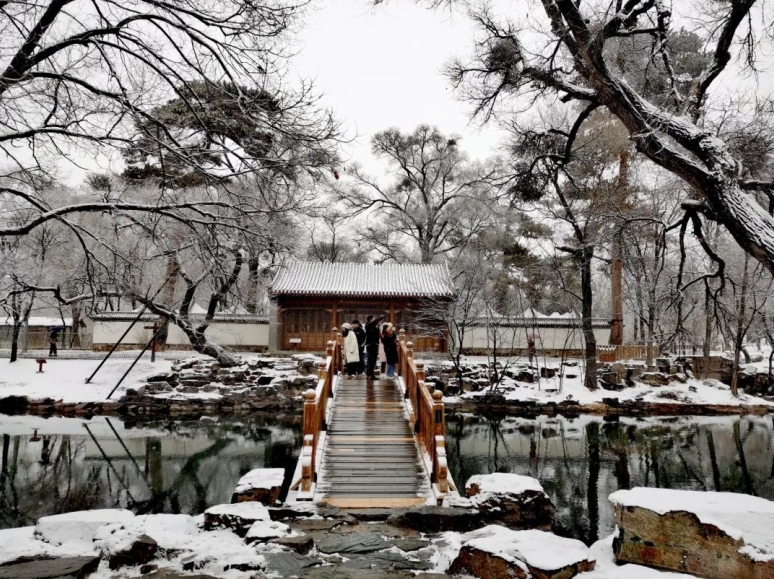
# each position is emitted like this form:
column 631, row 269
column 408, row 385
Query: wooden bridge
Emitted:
column 372, row 444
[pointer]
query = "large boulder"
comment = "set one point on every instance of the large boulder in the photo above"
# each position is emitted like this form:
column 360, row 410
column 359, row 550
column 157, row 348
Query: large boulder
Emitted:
column 518, row 502
column 262, row 531
column 69, row 568
column 432, row 519
column 238, row 517
column 78, row 526
column 124, row 547
column 496, row 552
column 261, row 485
column 713, row 535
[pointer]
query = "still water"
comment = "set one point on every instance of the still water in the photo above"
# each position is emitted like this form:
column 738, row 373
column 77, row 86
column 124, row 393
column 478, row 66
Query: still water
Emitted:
column 583, row 460
column 60, row 465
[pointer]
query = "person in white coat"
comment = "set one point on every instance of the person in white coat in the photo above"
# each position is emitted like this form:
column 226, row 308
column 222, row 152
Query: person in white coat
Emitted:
column 350, row 351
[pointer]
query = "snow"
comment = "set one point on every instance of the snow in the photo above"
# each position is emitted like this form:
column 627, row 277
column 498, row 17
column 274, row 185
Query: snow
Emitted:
column 54, row 425
column 37, row 321
column 261, row 478
column 538, row 549
column 742, row 517
column 504, row 483
column 22, row 542
column 66, row 379
column 78, row 526
column 607, row 568
column 265, row 530
column 247, row 510
column 568, row 385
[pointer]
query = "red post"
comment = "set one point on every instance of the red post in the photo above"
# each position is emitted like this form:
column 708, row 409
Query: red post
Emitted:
column 40, row 362
column 155, row 328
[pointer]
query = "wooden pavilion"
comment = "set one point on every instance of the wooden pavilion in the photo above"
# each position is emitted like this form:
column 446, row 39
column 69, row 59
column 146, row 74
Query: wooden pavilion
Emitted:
column 310, row 298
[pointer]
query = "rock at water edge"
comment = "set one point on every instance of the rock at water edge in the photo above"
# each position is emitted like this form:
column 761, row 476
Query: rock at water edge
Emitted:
column 495, row 552
column 78, row 526
column 261, row 485
column 518, row 502
column 238, row 517
column 713, row 535
column 262, row 531
column 70, row 568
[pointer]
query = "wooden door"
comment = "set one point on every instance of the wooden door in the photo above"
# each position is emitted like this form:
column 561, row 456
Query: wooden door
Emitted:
column 306, row 329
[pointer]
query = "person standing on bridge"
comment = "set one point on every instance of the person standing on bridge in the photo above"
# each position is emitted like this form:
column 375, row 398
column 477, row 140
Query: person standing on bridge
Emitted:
column 372, row 344
column 359, row 332
column 390, row 342
column 350, row 351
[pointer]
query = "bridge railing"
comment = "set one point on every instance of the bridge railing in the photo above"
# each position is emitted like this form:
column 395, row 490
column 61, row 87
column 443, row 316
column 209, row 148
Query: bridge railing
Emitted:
column 315, row 410
column 428, row 416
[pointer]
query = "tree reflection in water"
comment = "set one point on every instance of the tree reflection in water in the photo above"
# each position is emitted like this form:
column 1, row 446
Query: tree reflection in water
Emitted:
column 581, row 461
column 166, row 467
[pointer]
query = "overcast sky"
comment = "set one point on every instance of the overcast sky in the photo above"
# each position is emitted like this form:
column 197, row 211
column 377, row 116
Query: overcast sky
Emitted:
column 381, row 67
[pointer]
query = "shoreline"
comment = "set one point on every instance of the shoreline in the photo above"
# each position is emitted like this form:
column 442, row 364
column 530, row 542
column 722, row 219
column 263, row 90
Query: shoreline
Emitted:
column 195, row 408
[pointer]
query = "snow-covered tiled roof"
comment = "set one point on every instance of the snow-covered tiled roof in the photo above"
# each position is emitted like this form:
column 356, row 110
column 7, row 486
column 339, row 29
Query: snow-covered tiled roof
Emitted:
column 364, row 279
column 35, row 321
column 195, row 317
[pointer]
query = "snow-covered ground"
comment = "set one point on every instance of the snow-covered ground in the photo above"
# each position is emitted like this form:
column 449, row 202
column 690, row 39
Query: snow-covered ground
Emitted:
column 66, row 379
column 568, row 385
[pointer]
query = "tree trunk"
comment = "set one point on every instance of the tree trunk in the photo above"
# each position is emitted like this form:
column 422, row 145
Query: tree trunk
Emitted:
column 592, row 491
column 740, row 331
column 586, row 254
column 15, row 337
column 616, row 272
column 616, row 294
column 252, row 285
column 706, row 347
column 75, row 338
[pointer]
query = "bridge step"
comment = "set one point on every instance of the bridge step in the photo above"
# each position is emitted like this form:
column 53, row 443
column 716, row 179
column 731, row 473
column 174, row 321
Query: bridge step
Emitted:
column 370, row 457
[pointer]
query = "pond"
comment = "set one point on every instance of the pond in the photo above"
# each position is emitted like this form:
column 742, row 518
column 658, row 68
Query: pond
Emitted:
column 583, row 460
column 58, row 465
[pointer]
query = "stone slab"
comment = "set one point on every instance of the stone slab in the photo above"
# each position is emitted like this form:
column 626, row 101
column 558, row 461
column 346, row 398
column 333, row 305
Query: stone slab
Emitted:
column 69, row 568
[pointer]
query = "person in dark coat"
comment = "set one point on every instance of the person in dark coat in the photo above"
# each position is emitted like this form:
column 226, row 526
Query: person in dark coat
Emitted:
column 372, row 344
column 390, row 342
column 359, row 332
column 53, row 336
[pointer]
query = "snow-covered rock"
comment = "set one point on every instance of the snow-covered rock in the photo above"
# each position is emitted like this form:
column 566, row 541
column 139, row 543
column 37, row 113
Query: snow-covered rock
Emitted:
column 515, row 501
column 261, row 485
column 262, row 531
column 78, row 526
column 715, row 535
column 495, row 552
column 238, row 517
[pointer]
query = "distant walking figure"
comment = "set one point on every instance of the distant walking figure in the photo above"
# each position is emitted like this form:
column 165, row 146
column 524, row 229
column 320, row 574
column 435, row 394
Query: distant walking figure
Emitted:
column 372, row 344
column 390, row 342
column 53, row 335
column 350, row 351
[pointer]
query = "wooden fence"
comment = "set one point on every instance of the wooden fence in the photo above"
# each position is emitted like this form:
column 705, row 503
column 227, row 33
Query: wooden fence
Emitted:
column 427, row 415
column 316, row 408
column 625, row 352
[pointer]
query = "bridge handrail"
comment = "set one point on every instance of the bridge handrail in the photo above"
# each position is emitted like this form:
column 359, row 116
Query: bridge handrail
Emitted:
column 429, row 418
column 316, row 408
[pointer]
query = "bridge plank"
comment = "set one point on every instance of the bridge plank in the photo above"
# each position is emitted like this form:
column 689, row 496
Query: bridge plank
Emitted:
column 370, row 457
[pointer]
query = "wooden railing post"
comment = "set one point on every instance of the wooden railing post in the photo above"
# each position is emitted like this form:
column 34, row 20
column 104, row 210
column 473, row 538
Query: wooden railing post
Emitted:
column 336, row 363
column 439, row 433
column 420, row 366
column 322, row 370
column 409, row 377
column 310, row 440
